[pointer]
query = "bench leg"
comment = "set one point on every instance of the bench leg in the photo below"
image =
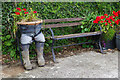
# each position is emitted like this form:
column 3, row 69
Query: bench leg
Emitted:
column 100, row 45
column 18, row 45
column 21, row 57
column 53, row 51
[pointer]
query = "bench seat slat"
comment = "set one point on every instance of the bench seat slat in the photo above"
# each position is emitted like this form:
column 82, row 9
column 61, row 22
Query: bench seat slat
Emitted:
column 62, row 20
column 77, row 35
column 61, row 25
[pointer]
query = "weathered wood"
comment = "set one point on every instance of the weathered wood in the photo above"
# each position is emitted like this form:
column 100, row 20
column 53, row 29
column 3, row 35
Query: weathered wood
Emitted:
column 62, row 20
column 30, row 23
column 61, row 25
column 78, row 35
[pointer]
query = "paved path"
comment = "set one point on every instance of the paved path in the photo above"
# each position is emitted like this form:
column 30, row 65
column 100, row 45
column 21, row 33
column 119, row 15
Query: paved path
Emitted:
column 84, row 65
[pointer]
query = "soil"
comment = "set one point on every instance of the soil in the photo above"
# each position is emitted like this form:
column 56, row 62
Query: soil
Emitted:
column 12, row 71
column 65, row 52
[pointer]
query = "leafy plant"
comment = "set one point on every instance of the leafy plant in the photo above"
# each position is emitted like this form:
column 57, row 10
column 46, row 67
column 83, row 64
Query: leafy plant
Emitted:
column 109, row 35
column 118, row 30
column 108, row 24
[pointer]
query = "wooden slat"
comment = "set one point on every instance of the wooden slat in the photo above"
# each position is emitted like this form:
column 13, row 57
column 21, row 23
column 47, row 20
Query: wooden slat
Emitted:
column 61, row 25
column 62, row 20
column 78, row 35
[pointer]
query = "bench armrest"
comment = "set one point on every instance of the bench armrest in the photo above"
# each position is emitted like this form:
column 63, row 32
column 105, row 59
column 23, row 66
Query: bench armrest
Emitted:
column 100, row 27
column 52, row 32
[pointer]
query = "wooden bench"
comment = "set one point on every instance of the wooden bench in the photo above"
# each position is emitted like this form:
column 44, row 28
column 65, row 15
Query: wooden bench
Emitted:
column 51, row 24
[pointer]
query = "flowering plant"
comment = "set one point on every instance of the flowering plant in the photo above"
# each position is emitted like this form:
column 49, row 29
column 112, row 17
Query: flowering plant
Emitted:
column 23, row 15
column 108, row 23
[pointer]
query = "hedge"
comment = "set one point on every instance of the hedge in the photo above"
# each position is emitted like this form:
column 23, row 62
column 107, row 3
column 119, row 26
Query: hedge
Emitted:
column 53, row 10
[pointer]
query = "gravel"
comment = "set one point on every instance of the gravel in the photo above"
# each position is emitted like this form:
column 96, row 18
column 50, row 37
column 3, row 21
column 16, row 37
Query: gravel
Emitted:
column 88, row 64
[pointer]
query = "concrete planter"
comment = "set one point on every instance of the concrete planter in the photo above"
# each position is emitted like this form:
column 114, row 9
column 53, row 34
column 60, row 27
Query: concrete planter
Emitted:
column 110, row 44
column 118, row 41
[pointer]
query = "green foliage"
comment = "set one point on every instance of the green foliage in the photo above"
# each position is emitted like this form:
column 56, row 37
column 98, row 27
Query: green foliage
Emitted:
column 54, row 10
column 118, row 30
column 109, row 35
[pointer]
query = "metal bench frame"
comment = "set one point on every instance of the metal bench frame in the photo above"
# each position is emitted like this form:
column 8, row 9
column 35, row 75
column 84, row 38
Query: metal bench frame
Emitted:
column 55, row 39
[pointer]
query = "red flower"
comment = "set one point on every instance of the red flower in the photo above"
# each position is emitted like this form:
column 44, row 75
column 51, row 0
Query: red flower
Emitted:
column 17, row 13
column 95, row 21
column 116, row 13
column 18, row 9
column 101, row 21
column 35, row 12
column 117, row 21
column 98, row 17
column 114, row 16
column 106, row 24
column 102, row 17
column 110, row 24
column 105, row 21
column 24, row 9
column 26, row 13
column 113, row 12
column 119, row 12
column 105, row 14
column 109, row 21
column 113, row 19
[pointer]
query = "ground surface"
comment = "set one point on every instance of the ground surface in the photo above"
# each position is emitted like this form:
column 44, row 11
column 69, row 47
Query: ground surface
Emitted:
column 89, row 64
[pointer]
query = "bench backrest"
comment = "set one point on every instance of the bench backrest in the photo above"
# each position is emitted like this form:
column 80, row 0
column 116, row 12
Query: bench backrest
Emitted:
column 62, row 24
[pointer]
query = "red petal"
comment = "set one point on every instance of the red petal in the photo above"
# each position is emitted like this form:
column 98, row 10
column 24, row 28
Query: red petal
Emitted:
column 105, row 14
column 113, row 12
column 105, row 23
column 17, row 13
column 119, row 12
column 24, row 9
column 110, row 24
column 102, row 17
column 109, row 21
column 35, row 12
column 18, row 8
column 101, row 21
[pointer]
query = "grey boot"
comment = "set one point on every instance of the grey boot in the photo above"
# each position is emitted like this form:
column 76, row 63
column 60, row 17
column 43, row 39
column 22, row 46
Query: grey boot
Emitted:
column 26, row 60
column 39, row 49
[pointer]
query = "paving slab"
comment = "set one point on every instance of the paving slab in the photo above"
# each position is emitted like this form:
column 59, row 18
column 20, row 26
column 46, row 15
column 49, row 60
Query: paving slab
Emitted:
column 88, row 64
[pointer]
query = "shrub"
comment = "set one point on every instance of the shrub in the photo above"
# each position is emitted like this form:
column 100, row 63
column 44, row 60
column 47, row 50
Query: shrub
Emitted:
column 52, row 10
